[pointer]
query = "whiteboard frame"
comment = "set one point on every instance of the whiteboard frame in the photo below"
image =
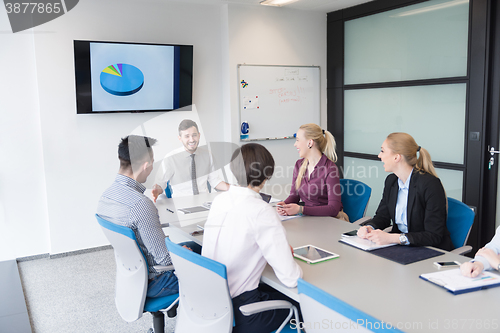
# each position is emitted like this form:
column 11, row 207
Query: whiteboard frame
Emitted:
column 239, row 100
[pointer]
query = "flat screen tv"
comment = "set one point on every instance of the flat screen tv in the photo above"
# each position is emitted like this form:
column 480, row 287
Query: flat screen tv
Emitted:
column 132, row 77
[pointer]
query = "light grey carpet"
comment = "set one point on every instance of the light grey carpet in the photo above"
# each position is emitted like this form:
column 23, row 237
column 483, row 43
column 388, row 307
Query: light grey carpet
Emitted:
column 76, row 294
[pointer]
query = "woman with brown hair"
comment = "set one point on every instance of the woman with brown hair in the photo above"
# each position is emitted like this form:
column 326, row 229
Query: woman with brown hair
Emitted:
column 315, row 176
column 413, row 198
column 244, row 233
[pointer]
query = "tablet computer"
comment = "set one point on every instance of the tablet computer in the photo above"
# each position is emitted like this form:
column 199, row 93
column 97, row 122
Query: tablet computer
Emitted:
column 190, row 210
column 312, row 254
column 265, row 197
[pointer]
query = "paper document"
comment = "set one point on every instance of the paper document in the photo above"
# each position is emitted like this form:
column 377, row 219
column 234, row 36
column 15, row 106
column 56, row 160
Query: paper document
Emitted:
column 288, row 217
column 456, row 283
column 360, row 243
column 274, row 200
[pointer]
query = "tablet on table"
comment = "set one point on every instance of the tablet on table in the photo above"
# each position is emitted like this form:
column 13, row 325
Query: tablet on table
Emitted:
column 313, row 254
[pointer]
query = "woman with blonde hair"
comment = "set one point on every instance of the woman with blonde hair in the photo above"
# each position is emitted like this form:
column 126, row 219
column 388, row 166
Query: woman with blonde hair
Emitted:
column 315, row 176
column 413, row 198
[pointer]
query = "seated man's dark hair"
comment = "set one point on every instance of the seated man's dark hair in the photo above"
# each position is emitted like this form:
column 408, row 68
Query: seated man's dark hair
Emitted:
column 134, row 150
column 251, row 164
column 187, row 123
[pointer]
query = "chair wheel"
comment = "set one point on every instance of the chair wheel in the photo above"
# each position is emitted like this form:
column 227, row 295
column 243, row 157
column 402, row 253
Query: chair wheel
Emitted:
column 151, row 330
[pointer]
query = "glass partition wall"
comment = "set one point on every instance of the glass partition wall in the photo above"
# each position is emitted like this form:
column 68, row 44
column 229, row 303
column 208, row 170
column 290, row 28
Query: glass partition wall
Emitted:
column 410, row 66
column 388, row 57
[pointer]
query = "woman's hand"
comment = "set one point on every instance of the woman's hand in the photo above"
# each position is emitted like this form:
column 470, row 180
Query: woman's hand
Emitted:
column 279, row 208
column 490, row 255
column 471, row 269
column 380, row 237
column 287, row 209
column 364, row 231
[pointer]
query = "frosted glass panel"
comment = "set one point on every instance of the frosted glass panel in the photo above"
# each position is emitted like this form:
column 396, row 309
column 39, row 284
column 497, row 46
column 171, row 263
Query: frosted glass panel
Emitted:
column 372, row 174
column 433, row 115
column 422, row 41
column 369, row 172
column 452, row 181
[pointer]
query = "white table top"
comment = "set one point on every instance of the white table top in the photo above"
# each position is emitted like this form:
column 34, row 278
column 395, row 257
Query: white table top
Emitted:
column 381, row 288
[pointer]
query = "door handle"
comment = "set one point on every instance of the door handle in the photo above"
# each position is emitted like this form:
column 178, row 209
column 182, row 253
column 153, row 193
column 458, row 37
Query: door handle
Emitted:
column 492, row 152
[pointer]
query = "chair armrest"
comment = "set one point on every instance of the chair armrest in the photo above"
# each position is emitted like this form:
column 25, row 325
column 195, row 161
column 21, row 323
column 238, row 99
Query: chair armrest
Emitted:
column 161, row 268
column 257, row 307
column 362, row 220
column 462, row 250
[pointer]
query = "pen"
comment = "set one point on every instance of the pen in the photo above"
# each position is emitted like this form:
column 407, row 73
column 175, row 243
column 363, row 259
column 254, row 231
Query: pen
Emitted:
column 200, row 227
column 171, row 211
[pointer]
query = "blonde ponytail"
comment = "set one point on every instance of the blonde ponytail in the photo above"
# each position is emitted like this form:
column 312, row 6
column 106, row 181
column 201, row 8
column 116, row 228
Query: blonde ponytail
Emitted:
column 424, row 162
column 325, row 143
column 330, row 147
column 405, row 145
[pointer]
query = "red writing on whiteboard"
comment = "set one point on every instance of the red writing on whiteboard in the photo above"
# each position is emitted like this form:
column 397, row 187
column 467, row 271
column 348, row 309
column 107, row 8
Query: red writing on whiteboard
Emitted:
column 287, row 95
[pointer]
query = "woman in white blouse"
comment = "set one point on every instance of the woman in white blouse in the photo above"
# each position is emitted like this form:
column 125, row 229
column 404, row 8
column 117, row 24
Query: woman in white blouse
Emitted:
column 245, row 233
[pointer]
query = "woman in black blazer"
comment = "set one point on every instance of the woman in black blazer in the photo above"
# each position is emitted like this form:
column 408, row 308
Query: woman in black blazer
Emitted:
column 413, row 199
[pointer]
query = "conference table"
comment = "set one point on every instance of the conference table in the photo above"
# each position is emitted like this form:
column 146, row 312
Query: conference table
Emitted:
column 386, row 290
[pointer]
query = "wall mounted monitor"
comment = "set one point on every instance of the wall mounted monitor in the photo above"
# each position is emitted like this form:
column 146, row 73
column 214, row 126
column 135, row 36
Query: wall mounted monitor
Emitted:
column 132, row 77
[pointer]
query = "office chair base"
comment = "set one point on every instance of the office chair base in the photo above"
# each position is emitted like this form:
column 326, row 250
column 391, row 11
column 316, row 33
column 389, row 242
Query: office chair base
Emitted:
column 172, row 312
column 158, row 322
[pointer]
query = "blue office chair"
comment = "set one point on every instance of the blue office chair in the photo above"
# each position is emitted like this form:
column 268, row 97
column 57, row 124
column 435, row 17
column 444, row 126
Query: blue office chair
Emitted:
column 459, row 223
column 317, row 305
column 355, row 197
column 205, row 303
column 132, row 278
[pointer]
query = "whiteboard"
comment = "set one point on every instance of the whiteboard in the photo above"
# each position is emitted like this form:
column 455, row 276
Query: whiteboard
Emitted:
column 276, row 100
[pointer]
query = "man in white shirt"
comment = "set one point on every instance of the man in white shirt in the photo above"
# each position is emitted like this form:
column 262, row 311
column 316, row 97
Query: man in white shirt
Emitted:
column 189, row 170
column 245, row 233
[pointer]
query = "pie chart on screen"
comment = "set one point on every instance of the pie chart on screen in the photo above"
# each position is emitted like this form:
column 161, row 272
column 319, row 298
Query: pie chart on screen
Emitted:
column 122, row 79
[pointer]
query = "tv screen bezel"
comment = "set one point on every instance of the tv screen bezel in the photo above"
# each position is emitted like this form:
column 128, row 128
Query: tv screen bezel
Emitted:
column 83, row 77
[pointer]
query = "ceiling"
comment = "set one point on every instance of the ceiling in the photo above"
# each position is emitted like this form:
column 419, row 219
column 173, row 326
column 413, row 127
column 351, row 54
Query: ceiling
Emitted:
column 324, row 6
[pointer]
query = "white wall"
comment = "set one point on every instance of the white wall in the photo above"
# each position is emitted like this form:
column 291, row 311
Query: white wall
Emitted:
column 80, row 150
column 57, row 163
column 24, row 224
column 261, row 35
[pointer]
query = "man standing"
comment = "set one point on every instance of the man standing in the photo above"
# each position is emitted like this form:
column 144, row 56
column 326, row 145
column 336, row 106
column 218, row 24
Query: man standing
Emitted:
column 124, row 203
column 189, row 171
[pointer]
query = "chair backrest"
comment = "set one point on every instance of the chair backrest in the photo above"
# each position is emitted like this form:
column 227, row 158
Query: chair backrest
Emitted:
column 355, row 196
column 459, row 222
column 205, row 303
column 131, row 270
column 323, row 312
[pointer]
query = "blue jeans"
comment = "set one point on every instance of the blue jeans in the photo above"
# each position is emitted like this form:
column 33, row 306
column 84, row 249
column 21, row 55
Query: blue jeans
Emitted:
column 166, row 283
column 162, row 285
